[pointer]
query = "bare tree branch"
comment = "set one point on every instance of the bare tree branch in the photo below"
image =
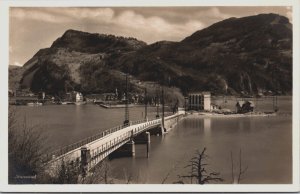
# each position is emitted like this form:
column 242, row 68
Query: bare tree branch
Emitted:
column 232, row 175
column 198, row 170
column 241, row 171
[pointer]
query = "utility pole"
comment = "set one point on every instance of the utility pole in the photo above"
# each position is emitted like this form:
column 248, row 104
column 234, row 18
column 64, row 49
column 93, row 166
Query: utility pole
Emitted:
column 126, row 121
column 275, row 108
column 157, row 104
column 145, row 100
column 163, row 108
column 185, row 104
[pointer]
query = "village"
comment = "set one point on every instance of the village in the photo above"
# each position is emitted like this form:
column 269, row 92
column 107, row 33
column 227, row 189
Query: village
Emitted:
column 71, row 98
column 202, row 102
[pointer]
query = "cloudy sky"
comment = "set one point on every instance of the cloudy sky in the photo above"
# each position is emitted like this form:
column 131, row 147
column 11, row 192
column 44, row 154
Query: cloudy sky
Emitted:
column 34, row 28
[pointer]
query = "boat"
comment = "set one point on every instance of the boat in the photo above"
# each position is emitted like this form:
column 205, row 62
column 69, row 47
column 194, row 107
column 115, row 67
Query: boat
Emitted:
column 34, row 104
column 67, row 103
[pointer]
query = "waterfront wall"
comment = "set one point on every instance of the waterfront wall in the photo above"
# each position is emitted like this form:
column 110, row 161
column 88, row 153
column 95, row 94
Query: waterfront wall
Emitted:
column 172, row 121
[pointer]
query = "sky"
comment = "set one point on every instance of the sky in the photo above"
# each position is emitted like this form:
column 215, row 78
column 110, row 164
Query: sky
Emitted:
column 33, row 28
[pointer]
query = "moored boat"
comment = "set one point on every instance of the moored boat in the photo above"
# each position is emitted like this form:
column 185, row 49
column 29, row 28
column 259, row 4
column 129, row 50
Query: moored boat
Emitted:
column 34, row 104
column 67, row 103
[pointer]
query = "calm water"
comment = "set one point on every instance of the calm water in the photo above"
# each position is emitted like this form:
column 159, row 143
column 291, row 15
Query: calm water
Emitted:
column 265, row 142
column 66, row 124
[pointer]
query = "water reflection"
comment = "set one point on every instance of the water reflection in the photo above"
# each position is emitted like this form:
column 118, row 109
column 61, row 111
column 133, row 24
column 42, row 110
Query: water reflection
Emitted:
column 246, row 124
column 221, row 136
column 207, row 127
column 193, row 123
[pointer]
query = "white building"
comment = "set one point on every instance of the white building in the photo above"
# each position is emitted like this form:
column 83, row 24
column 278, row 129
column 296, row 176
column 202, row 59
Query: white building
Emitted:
column 79, row 97
column 199, row 101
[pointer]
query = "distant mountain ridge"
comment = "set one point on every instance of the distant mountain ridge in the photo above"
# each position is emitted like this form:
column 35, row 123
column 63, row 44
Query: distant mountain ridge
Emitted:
column 96, row 43
column 246, row 55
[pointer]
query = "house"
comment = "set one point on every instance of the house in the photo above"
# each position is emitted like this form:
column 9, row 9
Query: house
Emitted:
column 244, row 106
column 199, row 101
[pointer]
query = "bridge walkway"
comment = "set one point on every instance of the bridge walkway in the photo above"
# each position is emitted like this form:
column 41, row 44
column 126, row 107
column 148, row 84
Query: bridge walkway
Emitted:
column 104, row 143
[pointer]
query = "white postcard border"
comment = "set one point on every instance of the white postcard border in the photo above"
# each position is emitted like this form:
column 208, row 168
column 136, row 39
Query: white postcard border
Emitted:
column 4, row 58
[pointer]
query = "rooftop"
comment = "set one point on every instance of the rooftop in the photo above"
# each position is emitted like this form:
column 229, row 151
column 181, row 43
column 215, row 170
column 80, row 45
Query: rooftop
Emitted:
column 200, row 93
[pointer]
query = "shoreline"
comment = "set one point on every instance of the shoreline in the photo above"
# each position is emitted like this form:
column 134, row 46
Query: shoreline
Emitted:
column 211, row 115
column 123, row 106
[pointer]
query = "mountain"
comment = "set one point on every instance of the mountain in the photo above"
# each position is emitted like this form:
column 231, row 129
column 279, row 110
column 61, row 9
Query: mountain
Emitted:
column 15, row 74
column 249, row 55
column 246, row 55
column 64, row 66
column 96, row 43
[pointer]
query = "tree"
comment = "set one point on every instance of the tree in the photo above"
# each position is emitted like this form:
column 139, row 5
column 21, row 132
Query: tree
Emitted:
column 101, row 173
column 67, row 173
column 50, row 77
column 25, row 150
column 198, row 170
column 26, row 165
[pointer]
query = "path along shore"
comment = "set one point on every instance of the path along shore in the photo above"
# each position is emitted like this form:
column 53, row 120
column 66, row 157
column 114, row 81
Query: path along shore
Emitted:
column 234, row 115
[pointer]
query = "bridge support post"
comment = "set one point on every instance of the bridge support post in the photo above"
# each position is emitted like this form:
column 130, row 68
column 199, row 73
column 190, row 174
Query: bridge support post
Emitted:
column 127, row 150
column 85, row 156
column 131, row 144
column 148, row 137
column 148, row 144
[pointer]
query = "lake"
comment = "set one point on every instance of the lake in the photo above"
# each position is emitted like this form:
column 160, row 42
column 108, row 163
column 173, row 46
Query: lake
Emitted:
column 265, row 142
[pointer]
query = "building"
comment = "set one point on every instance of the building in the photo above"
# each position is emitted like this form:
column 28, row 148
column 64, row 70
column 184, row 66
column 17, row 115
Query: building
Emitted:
column 244, row 106
column 199, row 101
column 79, row 97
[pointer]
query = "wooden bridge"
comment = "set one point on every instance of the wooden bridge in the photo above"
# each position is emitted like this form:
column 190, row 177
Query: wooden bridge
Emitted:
column 118, row 140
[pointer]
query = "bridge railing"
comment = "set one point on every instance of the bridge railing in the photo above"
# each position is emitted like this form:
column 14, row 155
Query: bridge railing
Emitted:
column 87, row 140
column 90, row 139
